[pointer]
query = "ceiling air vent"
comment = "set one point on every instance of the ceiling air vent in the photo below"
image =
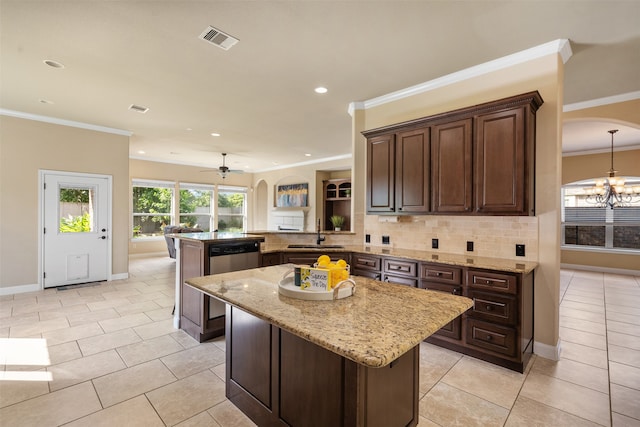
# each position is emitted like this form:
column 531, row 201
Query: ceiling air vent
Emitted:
column 218, row 38
column 138, row 108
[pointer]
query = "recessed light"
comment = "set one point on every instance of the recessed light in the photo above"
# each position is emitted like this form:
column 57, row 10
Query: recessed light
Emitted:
column 141, row 152
column 321, row 89
column 307, row 154
column 188, row 129
column 53, row 64
column 215, row 134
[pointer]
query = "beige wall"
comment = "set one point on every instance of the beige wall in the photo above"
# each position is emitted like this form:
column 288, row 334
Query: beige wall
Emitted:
column 543, row 74
column 577, row 168
column 312, row 174
column 27, row 146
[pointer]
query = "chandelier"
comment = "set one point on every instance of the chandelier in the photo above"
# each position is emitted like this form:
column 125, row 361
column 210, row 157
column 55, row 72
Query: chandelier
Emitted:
column 611, row 191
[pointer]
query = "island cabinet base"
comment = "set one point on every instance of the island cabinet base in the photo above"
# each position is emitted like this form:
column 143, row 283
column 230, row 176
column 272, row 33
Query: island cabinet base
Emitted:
column 279, row 379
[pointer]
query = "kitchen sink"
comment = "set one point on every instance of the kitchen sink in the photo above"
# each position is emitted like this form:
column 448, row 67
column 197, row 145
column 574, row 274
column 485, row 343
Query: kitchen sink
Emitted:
column 315, row 247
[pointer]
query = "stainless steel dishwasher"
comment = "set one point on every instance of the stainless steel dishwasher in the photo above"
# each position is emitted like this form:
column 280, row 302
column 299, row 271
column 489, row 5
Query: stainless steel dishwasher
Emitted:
column 231, row 256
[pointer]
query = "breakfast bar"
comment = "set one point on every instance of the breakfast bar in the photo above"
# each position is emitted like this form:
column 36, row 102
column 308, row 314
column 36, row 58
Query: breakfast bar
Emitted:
column 345, row 362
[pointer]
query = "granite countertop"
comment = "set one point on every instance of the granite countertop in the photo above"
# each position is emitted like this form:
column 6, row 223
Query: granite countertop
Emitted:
column 375, row 326
column 459, row 260
column 218, row 237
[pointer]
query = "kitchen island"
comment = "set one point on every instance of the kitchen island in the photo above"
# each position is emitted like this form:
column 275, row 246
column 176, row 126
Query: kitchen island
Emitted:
column 201, row 254
column 348, row 362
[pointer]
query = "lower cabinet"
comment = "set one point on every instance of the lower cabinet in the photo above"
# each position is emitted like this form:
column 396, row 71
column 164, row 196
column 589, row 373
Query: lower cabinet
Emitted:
column 441, row 278
column 309, row 258
column 279, row 379
column 400, row 271
column 499, row 326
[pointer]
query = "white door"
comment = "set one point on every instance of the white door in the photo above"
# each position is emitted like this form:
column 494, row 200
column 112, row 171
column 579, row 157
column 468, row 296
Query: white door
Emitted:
column 75, row 236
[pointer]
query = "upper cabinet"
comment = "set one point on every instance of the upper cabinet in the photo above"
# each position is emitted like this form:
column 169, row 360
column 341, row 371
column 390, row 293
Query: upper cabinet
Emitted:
column 398, row 168
column 476, row 160
column 381, row 158
column 451, row 167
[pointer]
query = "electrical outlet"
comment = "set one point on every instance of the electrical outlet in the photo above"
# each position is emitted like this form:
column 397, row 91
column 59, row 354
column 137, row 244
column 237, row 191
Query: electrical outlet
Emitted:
column 469, row 246
column 434, row 243
column 519, row 250
column 385, row 240
column 367, row 238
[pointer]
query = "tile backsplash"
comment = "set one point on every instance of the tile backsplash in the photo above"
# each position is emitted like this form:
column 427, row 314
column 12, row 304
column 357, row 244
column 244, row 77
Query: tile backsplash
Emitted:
column 492, row 236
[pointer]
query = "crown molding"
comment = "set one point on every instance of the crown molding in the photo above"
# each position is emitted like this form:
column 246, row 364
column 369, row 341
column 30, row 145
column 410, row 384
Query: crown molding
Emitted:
column 630, row 96
column 63, row 122
column 559, row 46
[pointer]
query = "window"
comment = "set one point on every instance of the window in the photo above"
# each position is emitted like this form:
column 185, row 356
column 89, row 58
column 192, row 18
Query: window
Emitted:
column 76, row 210
column 195, row 206
column 587, row 225
column 152, row 207
column 232, row 209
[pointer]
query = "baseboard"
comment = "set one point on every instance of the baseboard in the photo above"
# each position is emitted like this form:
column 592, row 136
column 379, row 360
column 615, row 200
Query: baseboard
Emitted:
column 551, row 352
column 20, row 289
column 622, row 271
column 119, row 276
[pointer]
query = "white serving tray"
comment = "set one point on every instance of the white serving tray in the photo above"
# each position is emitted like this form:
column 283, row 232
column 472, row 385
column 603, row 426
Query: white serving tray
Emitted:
column 344, row 289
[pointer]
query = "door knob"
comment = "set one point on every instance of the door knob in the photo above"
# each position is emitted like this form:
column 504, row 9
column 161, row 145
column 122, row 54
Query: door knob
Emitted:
column 102, row 237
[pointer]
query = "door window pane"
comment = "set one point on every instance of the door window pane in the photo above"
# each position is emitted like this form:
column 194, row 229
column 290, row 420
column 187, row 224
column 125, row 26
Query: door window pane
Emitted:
column 76, row 210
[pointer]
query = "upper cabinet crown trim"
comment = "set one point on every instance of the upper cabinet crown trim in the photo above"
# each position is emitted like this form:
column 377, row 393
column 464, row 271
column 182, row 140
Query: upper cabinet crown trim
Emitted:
column 530, row 98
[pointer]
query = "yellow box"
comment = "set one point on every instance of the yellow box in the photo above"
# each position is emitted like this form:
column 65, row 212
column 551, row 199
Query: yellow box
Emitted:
column 319, row 279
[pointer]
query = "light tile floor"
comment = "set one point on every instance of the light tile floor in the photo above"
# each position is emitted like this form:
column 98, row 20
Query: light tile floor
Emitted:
column 115, row 360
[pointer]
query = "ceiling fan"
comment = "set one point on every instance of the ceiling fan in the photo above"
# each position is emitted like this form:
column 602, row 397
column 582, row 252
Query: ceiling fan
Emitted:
column 224, row 169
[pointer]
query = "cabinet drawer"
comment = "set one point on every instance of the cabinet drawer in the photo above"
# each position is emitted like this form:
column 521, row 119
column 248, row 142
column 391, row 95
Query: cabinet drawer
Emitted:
column 494, row 307
column 500, row 339
column 441, row 273
column 365, row 262
column 376, row 275
column 451, row 329
column 400, row 280
column 398, row 267
column 441, row 287
column 494, row 281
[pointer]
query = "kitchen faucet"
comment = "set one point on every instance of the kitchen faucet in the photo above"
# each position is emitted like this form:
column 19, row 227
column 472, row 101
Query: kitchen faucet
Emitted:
column 320, row 238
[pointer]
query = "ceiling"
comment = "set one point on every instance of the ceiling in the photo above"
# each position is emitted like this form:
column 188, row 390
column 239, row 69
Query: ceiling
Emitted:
column 259, row 95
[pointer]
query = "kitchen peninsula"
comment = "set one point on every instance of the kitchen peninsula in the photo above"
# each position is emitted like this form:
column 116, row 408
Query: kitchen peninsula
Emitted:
column 348, row 362
column 201, row 254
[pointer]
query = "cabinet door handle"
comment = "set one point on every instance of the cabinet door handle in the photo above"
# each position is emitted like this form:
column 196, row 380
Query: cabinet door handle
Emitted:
column 455, row 292
column 489, row 308
column 489, row 337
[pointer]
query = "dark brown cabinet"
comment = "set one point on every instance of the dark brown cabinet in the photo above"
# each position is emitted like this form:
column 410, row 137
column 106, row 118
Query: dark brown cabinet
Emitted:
column 504, row 161
column 366, row 265
column 309, row 258
column 271, row 258
column 279, row 379
column 412, row 184
column 499, row 326
column 400, row 271
column 194, row 305
column 399, row 169
column 480, row 161
column 337, row 201
column 451, row 167
column 381, row 174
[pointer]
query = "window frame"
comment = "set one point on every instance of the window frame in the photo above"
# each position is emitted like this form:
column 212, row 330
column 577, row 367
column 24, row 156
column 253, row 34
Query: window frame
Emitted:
column 233, row 189
column 610, row 222
column 198, row 187
column 152, row 183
